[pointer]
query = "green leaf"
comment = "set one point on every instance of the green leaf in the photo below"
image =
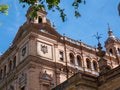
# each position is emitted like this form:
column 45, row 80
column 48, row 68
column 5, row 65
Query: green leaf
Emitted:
column 4, row 9
column 51, row 5
column 53, row 2
column 77, row 14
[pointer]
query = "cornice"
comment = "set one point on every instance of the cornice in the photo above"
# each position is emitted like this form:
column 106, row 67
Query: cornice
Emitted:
column 109, row 76
column 79, row 79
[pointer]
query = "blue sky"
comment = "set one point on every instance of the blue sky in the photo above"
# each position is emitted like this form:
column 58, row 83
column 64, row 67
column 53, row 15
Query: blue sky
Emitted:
column 95, row 16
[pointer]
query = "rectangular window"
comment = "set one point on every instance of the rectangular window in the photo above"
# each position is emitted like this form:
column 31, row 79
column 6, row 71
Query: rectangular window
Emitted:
column 14, row 62
column 4, row 70
column 61, row 55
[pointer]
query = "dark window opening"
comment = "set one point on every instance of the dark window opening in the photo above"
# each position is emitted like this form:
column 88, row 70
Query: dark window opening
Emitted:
column 14, row 62
column 39, row 20
column 1, row 74
column 10, row 65
column 118, row 51
column 88, row 63
column 95, row 65
column 61, row 56
column 111, row 51
column 79, row 61
column 71, row 58
column 5, row 70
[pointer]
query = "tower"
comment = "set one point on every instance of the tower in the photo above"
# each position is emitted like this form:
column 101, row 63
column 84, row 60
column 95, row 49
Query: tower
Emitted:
column 112, row 45
column 40, row 17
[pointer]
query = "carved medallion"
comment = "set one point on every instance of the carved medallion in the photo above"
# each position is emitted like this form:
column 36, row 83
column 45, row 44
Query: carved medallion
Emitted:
column 44, row 49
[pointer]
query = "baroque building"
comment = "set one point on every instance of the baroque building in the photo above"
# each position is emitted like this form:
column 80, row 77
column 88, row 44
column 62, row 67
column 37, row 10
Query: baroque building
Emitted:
column 41, row 59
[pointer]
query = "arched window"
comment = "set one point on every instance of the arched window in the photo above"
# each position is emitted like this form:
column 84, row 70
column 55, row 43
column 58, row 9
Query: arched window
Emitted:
column 71, row 58
column 39, row 20
column 10, row 66
column 88, row 63
column 95, row 65
column 79, row 61
column 111, row 51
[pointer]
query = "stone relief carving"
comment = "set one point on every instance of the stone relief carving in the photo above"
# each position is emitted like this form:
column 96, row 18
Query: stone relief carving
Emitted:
column 44, row 49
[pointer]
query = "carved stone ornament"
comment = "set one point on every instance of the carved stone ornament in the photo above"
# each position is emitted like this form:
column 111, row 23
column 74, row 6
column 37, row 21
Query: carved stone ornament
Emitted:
column 45, row 76
column 44, row 49
column 23, row 51
column 22, row 79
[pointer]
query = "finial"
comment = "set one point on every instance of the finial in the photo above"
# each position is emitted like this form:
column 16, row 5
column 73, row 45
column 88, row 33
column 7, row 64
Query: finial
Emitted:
column 53, row 25
column 97, row 36
column 109, row 30
column 109, row 27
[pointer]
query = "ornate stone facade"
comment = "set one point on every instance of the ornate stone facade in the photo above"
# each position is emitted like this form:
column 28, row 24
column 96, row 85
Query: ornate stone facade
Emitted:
column 40, row 58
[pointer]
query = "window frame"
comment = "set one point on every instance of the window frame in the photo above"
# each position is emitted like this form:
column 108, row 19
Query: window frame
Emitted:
column 80, row 61
column 72, row 58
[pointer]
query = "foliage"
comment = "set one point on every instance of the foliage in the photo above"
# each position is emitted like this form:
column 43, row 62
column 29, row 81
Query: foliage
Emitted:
column 4, row 9
column 51, row 5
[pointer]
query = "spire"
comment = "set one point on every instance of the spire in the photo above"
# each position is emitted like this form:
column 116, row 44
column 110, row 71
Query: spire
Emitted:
column 110, row 33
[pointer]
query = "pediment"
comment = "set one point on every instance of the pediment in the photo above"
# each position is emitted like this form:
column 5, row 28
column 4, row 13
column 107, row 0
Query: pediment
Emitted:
column 37, row 28
column 45, row 76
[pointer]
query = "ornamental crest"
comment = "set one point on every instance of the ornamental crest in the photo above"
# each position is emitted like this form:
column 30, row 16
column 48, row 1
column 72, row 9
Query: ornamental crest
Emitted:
column 44, row 49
